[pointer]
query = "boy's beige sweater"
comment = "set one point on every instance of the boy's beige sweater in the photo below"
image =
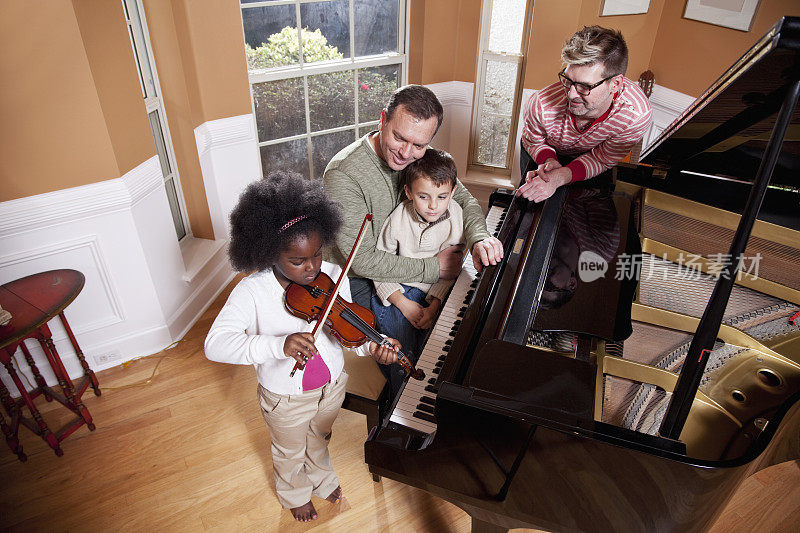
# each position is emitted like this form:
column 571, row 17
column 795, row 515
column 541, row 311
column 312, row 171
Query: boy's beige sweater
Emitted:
column 406, row 233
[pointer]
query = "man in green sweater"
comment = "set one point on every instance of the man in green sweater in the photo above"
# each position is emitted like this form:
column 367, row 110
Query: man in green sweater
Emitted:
column 363, row 178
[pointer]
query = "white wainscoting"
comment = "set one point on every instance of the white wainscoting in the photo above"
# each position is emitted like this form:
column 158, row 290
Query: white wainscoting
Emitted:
column 667, row 106
column 453, row 135
column 138, row 297
column 228, row 150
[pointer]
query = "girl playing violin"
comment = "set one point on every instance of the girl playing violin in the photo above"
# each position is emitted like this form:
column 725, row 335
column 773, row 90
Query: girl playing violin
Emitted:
column 278, row 229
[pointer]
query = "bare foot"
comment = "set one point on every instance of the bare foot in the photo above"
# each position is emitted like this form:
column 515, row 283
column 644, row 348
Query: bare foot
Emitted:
column 304, row 513
column 336, row 495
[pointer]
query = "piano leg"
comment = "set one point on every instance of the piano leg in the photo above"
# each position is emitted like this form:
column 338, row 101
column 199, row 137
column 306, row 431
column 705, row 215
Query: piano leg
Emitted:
column 501, row 495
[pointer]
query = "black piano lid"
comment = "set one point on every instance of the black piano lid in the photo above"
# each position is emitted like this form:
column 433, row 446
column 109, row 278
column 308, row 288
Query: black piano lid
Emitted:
column 725, row 131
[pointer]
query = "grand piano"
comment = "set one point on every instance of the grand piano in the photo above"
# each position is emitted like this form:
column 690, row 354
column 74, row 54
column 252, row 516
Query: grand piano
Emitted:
column 636, row 355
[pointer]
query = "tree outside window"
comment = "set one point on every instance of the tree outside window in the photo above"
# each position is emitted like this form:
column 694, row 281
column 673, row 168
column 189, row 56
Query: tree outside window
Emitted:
column 314, row 88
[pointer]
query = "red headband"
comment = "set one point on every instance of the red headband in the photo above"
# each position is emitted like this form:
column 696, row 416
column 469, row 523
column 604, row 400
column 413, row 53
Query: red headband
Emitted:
column 292, row 223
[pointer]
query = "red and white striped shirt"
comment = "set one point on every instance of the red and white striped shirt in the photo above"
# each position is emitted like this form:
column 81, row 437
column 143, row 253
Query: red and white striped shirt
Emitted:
column 550, row 129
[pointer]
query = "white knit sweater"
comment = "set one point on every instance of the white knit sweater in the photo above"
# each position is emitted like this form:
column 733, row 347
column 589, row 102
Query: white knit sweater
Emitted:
column 407, row 234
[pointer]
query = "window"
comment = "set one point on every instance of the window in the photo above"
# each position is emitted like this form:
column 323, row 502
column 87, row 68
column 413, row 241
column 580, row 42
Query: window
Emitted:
column 320, row 72
column 499, row 82
column 151, row 92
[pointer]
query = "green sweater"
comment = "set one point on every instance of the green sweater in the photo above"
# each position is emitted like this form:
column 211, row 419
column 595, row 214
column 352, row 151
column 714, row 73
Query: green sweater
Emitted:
column 363, row 183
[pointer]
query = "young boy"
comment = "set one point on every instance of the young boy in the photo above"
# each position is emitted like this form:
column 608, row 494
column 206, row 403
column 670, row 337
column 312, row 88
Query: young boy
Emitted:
column 426, row 222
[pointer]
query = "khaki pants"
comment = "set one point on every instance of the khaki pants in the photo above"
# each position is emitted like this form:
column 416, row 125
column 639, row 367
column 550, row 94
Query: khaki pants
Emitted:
column 300, row 429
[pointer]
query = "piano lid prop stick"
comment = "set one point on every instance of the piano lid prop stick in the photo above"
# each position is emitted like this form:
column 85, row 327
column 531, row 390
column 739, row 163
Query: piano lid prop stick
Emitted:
column 324, row 316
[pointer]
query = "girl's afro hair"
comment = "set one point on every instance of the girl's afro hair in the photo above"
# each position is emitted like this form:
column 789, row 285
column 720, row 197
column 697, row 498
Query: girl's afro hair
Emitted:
column 265, row 206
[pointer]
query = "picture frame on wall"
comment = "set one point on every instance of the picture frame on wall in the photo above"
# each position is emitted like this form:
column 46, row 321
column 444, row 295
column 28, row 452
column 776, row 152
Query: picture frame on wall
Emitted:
column 736, row 14
column 624, row 7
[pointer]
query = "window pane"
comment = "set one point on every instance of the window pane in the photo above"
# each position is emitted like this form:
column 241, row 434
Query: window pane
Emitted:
column 142, row 81
column 330, row 100
column 505, row 33
column 270, row 35
column 375, row 85
column 158, row 139
column 280, row 108
column 493, row 140
column 375, row 26
column 172, row 198
column 363, row 129
column 501, row 80
column 328, row 35
column 291, row 156
column 324, row 147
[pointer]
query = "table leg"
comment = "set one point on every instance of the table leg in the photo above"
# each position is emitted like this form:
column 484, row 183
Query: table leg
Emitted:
column 75, row 403
column 37, row 376
column 44, row 431
column 5, row 397
column 45, row 338
column 12, row 440
column 88, row 372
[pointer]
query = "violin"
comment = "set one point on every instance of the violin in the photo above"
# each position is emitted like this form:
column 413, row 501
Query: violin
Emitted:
column 351, row 324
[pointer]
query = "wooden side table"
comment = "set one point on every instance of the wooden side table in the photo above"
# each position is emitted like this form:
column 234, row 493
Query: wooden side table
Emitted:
column 33, row 301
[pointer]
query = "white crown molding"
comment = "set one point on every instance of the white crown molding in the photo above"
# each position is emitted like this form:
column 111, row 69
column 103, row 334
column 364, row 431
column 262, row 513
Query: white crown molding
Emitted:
column 670, row 100
column 67, row 205
column 453, row 92
column 223, row 132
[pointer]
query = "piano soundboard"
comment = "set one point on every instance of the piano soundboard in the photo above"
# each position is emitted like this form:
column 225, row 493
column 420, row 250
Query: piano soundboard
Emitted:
column 416, row 401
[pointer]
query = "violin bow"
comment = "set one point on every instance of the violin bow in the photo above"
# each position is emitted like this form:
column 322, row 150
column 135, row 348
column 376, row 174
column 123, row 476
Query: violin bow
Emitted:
column 332, row 299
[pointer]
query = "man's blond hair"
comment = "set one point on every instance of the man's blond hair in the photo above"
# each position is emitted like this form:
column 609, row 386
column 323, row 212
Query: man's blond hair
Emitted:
column 595, row 44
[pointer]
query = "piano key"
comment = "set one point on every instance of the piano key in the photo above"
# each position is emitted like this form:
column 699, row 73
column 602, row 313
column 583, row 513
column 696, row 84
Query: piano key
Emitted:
column 424, row 416
column 425, row 408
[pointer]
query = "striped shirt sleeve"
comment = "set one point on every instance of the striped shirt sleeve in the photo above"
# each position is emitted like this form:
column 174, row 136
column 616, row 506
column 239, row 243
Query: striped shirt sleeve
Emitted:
column 534, row 134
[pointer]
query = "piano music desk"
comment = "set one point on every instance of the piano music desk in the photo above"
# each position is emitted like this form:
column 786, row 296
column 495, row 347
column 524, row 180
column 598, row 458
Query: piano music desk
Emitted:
column 33, row 301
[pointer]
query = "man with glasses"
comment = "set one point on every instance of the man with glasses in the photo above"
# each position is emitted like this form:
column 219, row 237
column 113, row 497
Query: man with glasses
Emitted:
column 587, row 121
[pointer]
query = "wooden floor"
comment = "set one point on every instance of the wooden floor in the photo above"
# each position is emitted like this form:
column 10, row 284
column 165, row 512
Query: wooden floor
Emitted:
column 189, row 452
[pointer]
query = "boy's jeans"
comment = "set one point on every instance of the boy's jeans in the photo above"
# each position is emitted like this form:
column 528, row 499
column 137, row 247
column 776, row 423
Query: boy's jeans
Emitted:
column 391, row 322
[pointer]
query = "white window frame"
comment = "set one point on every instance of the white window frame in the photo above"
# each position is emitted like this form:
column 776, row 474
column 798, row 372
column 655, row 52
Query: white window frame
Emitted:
column 303, row 70
column 151, row 93
column 484, row 56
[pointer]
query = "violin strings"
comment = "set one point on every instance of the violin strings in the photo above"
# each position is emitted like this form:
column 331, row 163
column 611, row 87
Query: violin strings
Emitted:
column 364, row 324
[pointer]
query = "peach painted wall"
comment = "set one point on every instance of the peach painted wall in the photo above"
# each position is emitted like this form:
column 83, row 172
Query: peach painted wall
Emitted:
column 52, row 125
column 554, row 22
column 689, row 55
column 685, row 55
column 443, row 37
column 116, row 80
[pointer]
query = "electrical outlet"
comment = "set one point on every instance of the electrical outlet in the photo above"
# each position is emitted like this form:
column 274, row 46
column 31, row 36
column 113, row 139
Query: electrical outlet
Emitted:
column 105, row 358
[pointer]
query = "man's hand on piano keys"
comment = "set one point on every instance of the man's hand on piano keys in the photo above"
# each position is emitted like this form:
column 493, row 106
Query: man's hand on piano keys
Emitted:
column 450, row 260
column 486, row 252
column 540, row 184
column 383, row 354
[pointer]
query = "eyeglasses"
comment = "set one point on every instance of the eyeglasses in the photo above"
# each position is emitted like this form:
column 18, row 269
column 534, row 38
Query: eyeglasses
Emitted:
column 582, row 89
